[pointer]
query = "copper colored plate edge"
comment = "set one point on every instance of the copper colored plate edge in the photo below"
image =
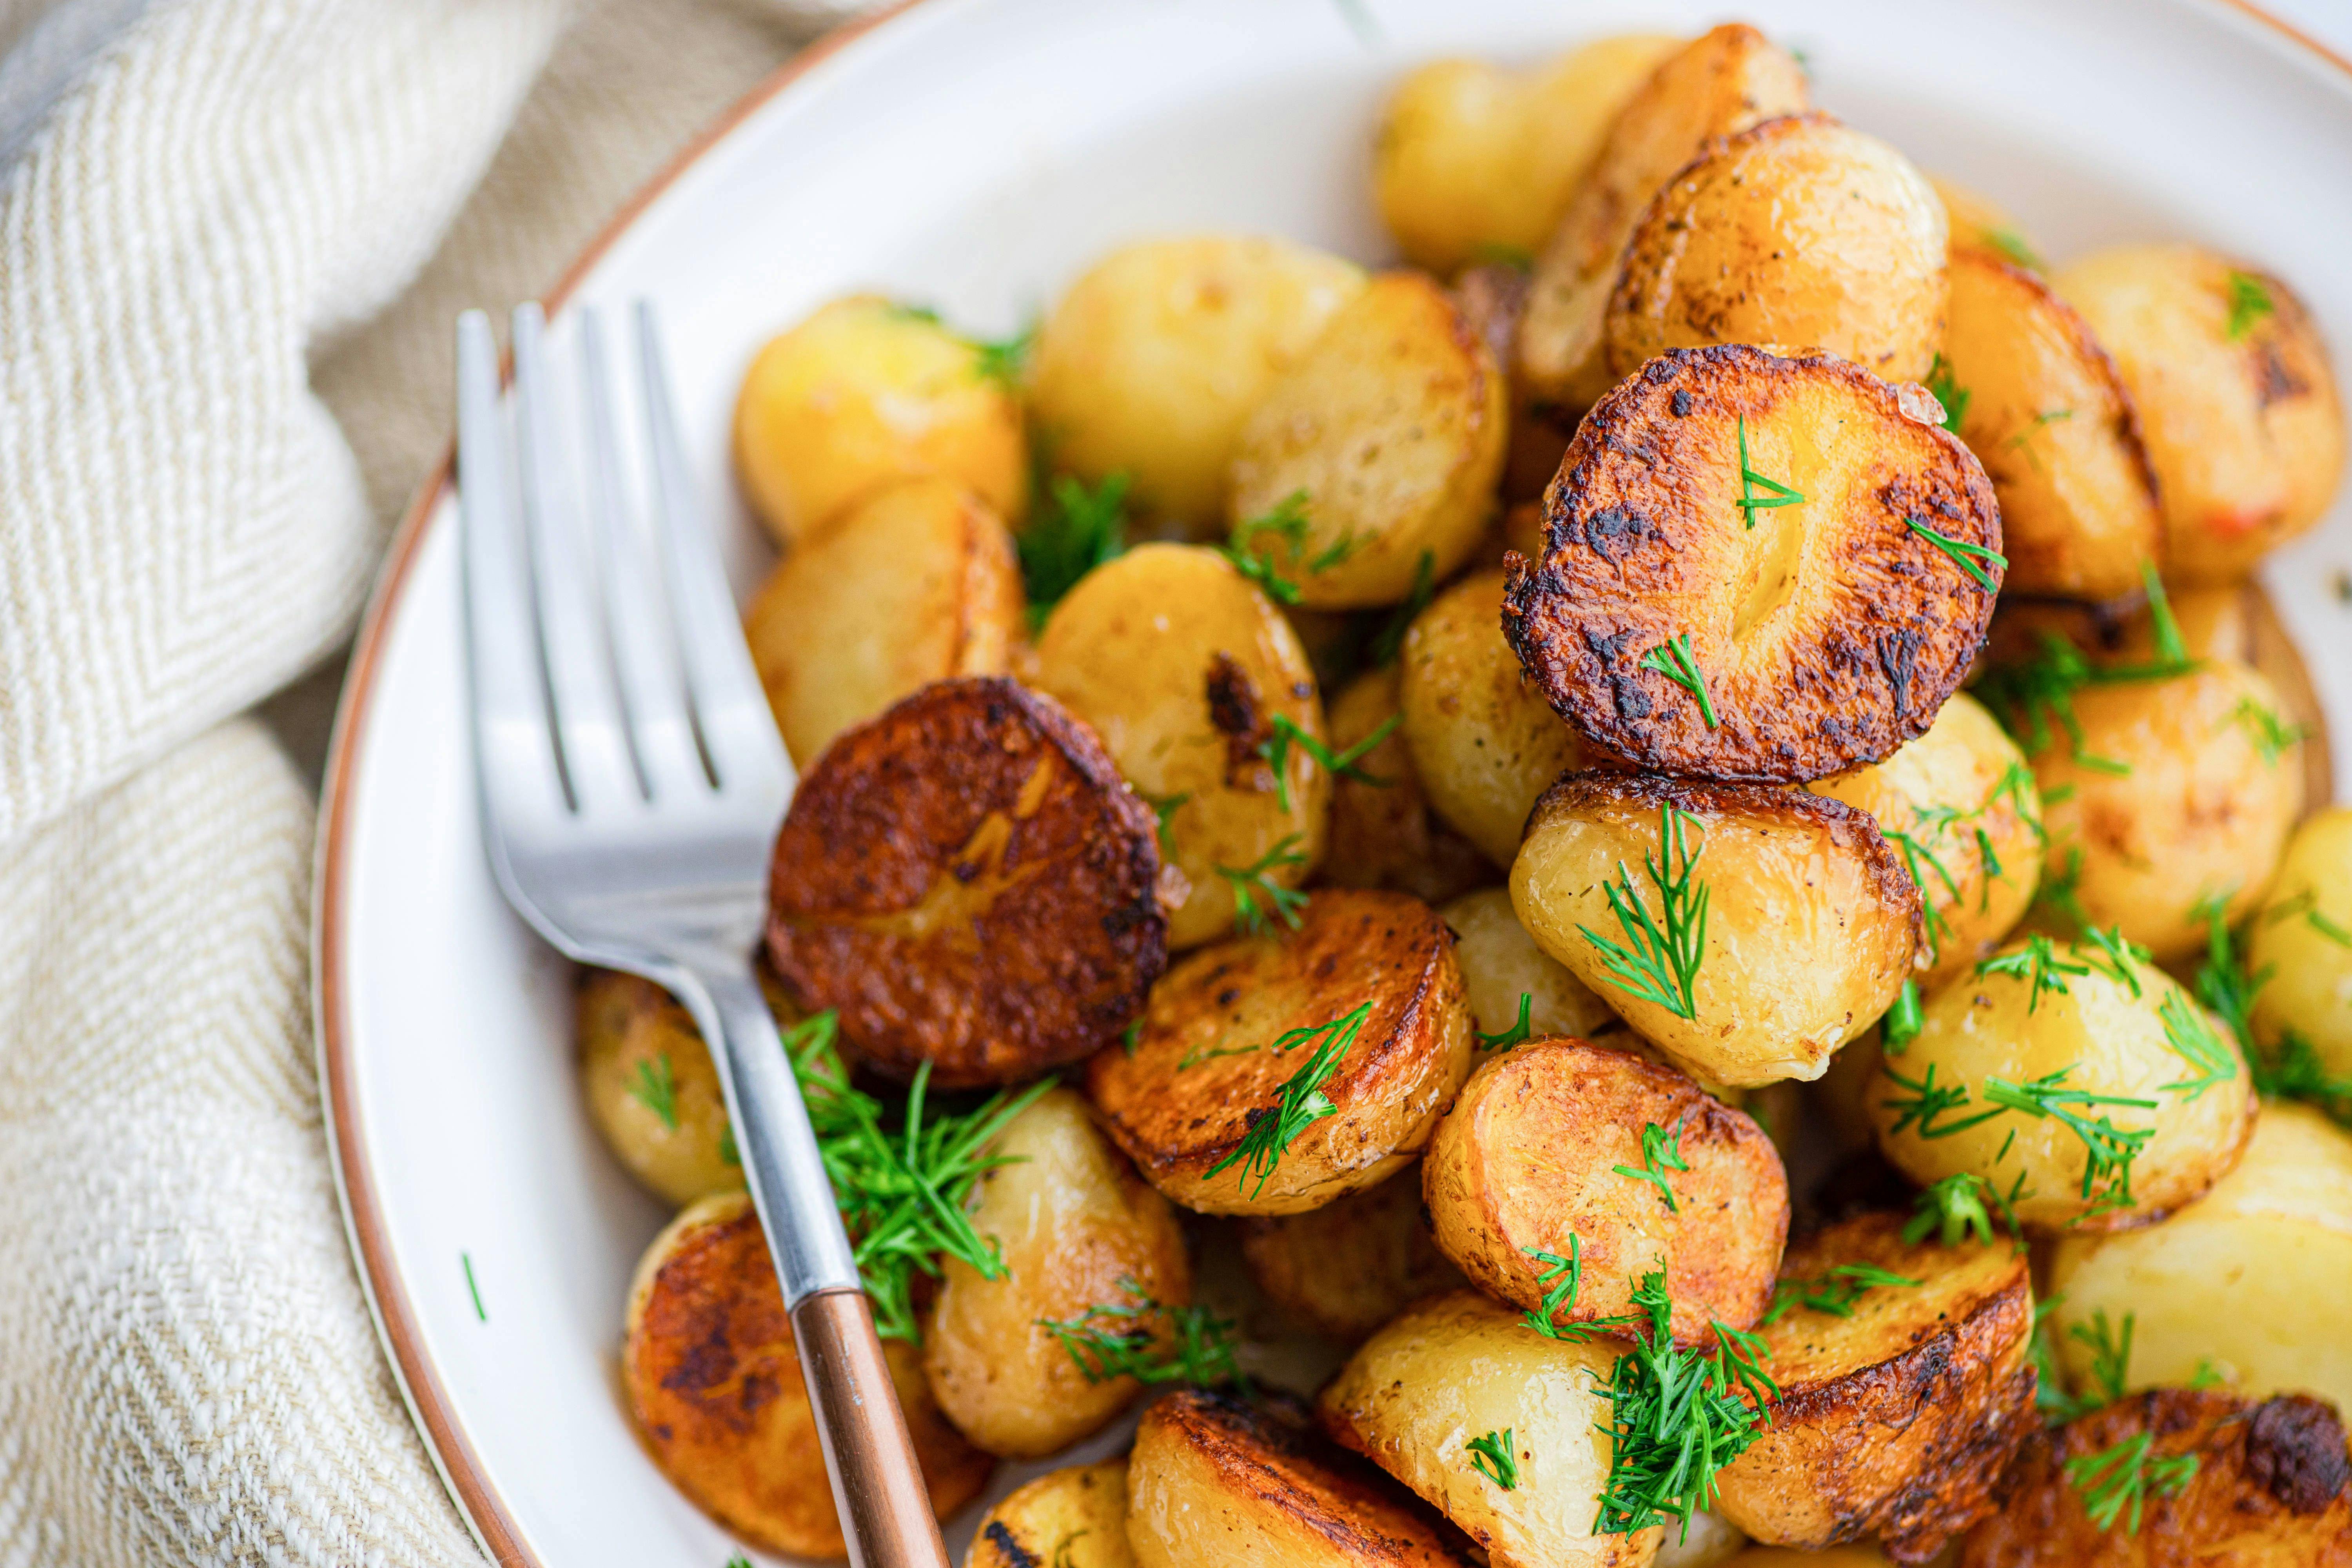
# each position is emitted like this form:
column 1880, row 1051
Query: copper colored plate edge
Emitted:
column 388, row 1301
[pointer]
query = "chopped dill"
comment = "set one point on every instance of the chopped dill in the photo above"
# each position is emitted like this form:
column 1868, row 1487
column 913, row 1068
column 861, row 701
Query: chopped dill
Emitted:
column 1517, row 1034
column 1659, row 960
column 1674, row 659
column 1834, row 1292
column 1776, row 493
column 1947, row 390
column 1493, row 1456
column 1073, row 531
column 2249, row 301
column 1275, row 750
column 655, row 1088
column 1969, row 557
column 1258, row 899
column 1661, row 1151
column 1148, row 1341
column 1301, row 1102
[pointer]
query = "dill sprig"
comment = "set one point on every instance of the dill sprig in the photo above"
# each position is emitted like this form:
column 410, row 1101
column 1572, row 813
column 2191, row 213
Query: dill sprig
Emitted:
column 2033, row 695
column 2272, row 735
column 1288, row 520
column 1961, row 1206
column 1258, row 899
column 2109, row 1150
column 1517, row 1034
column 1676, row 1418
column 2296, row 1071
column 1834, row 1292
column 1969, row 557
column 1301, row 1101
column 1674, row 659
column 2190, row 1034
column 1561, row 1279
column 2306, row 904
column 1496, row 1458
column 1006, row 360
column 1073, row 531
column 1659, row 960
column 2011, row 244
column 2115, row 955
column 2293, row 1070
column 1389, row 638
column 2061, row 891
column 2249, row 301
column 1903, row 1020
column 1164, row 808
column 1944, row 387
column 2124, row 1474
column 1275, row 750
column 655, row 1088
column 1661, row 1151
column 1938, row 925
column 2039, row 966
column 1776, row 493
column 1149, row 1341
column 1928, row 1100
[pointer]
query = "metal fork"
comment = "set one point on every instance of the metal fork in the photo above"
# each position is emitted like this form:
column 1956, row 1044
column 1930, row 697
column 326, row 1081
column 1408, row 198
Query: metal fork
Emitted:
column 631, row 782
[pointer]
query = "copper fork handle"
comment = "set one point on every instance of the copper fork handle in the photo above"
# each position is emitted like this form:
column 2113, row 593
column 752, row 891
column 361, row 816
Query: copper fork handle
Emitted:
column 886, row 1510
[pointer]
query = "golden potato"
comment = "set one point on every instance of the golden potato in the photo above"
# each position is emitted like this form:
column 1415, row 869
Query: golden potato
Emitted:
column 1710, row 1542
column 1074, row 1518
column 2303, row 938
column 2236, row 398
column 1501, row 963
column 653, row 1090
column 1770, row 929
column 1187, row 672
column 1382, row 832
column 1976, row 222
column 863, row 392
column 2247, row 1283
column 1899, row 1403
column 1375, row 456
column 1484, row 742
column 1346, row 1268
column 713, row 1383
column 1568, row 1162
column 2083, row 1082
column 1799, row 230
column 1151, row 363
column 2040, row 404
column 1077, row 1229
column 1216, row 1098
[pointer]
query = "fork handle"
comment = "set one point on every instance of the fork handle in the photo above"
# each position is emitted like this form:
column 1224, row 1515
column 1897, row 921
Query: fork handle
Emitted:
column 878, row 1485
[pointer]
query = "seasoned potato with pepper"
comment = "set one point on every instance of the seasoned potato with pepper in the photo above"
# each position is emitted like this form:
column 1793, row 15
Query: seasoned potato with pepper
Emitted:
column 1275, row 1074
column 652, row 1088
column 2302, row 941
column 1074, row 1518
column 1501, row 963
column 1904, row 1388
column 2235, row 395
column 1563, row 1151
column 1976, row 222
column 1765, row 929
column 1344, row 1270
column 864, row 392
column 1383, row 833
column 713, row 1383
column 1077, row 1229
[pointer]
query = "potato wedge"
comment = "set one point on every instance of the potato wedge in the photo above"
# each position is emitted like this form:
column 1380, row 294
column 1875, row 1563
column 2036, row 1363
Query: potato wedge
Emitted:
column 1900, row 1405
column 1182, row 667
column 1074, row 1518
column 1501, row 963
column 1671, row 634
column 2303, row 940
column 1346, row 1268
column 713, row 1383
column 1362, row 1002
column 1549, row 1152
column 1382, row 443
column 968, row 883
column 1976, row 222
column 1382, row 833
column 1811, row 922
column 1798, row 230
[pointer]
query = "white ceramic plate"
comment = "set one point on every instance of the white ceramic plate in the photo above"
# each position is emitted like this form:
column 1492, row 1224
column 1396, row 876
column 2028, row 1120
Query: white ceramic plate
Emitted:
column 976, row 154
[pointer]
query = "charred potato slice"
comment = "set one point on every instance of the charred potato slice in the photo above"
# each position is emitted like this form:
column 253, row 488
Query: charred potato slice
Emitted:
column 1365, row 990
column 1811, row 923
column 1501, row 963
column 1549, row 1150
column 1346, row 1268
column 1900, row 1405
column 968, row 883
column 714, row 1385
column 1382, row 832
column 1382, row 444
column 652, row 1089
column 1976, row 222
column 2303, row 940
column 1799, row 230
column 1074, row 1518
column 1672, row 635
column 1077, row 1229
column 1182, row 667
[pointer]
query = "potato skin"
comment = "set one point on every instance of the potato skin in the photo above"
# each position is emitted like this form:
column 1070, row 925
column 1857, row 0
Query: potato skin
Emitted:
column 1895, row 1420
column 1074, row 1518
column 1177, row 1109
column 714, row 1385
column 1346, row 1268
column 2310, row 989
column 1827, row 635
column 1811, row 923
column 1384, row 834
column 1075, row 1226
column 1976, row 222
column 1501, row 963
column 968, row 882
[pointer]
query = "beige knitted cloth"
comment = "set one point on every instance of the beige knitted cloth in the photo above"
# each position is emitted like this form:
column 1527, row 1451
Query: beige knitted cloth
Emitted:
column 233, row 235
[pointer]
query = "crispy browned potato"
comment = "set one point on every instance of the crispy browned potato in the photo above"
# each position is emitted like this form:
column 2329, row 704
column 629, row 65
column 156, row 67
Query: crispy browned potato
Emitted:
column 1382, row 833
column 1977, row 221
column 1899, row 1404
column 1823, row 636
column 1074, row 1518
column 968, row 883
column 1344, row 1270
column 1501, row 963
column 1549, row 1150
column 1216, row 1482
column 1077, row 1229
column 2040, row 404
column 2270, row 1487
column 1717, row 85
column 1811, row 923
column 1365, row 987
column 714, row 1386
column 1799, row 230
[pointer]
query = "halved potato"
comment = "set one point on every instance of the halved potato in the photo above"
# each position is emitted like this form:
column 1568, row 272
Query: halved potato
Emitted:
column 1363, row 1000
column 1501, row 963
column 713, row 1383
column 1382, row 833
column 1182, row 667
column 1344, row 1270
column 1386, row 437
column 1074, row 1518
column 1976, row 222
column 1549, row 1150
column 1900, row 1405
column 968, row 883
column 1799, row 230
column 1810, row 923
column 1673, row 634
column 2303, row 940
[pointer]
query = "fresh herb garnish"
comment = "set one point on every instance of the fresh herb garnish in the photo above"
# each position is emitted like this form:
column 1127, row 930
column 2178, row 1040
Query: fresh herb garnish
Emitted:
column 1073, row 531
column 1391, row 636
column 1903, row 1020
column 1302, row 1101
column 1006, row 360
column 2061, row 891
column 2124, row 1474
column 1517, row 1034
column 2272, row 735
column 1676, row 1418
column 466, row 1260
column 1834, row 1292
column 2011, row 244
column 1962, row 1206
column 2190, row 1034
column 2114, row 955
column 1290, row 521
column 1661, row 1151
column 1913, row 852
column 2030, row 696
column 1947, row 390
column 1493, row 1456
column 1776, row 493
column 2306, row 904
column 1258, row 899
column 1148, row 1341
column 2038, row 963
column 1659, row 960
column 1965, row 556
column 1275, row 750
column 2108, row 1150
column 2249, row 301
column 1164, row 808
column 657, row 1089
column 1674, row 659
column 1928, row 1100
column 1204, row 1053
column 1561, row 1279
column 728, row 1154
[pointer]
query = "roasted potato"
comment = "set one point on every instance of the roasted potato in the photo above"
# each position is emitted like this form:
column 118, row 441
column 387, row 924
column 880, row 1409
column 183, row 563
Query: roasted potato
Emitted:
column 713, row 1383
column 864, row 392
column 1564, row 1150
column 1182, row 667
column 2302, row 941
column 1216, row 1482
column 914, row 583
column 1672, row 634
column 1710, row 1541
column 1344, row 1270
column 1808, row 927
column 2040, row 404
column 1484, row 742
column 1074, row 1518
column 1379, row 449
column 1361, row 1001
column 1976, row 222
column 968, row 883
column 2235, row 395
column 1799, row 230
column 2129, row 1069
column 1717, row 85
column 1382, row 832
column 1501, row 963
column 1077, row 1229
column 1459, row 1369
column 1152, row 359
column 1899, row 1403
